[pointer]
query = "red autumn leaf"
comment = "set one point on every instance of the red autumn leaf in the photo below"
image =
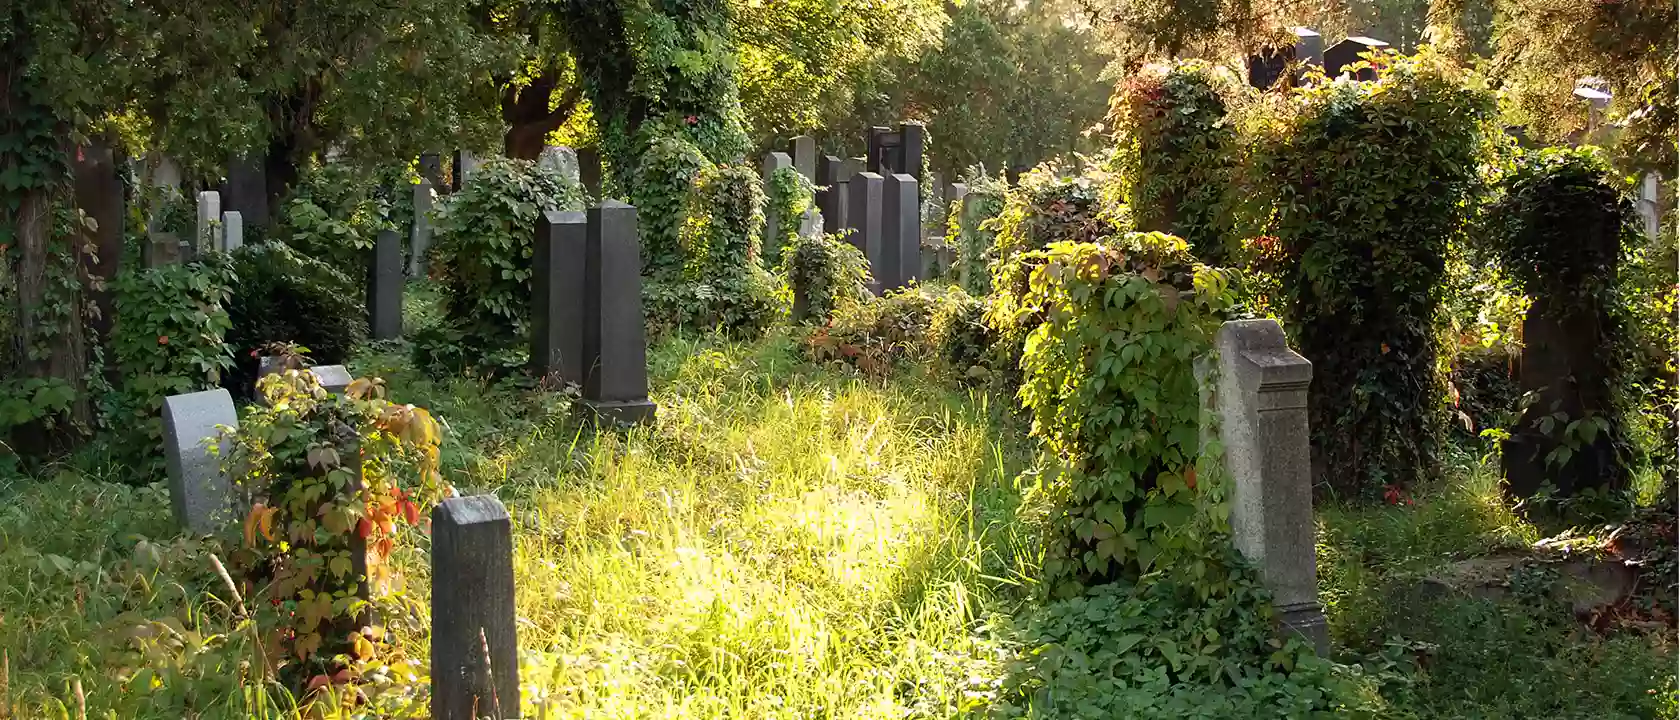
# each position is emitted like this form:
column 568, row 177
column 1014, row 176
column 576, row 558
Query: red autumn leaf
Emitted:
column 363, row 527
column 411, row 512
column 1190, row 478
column 163, row 339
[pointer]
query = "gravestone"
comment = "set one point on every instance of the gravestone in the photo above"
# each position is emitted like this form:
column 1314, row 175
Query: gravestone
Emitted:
column 850, row 167
column 892, row 152
column 99, row 193
column 810, row 222
column 912, row 146
column 334, row 379
column 199, row 493
column 1267, row 65
column 245, row 190
column 431, row 169
column 901, row 226
column 161, row 249
column 385, row 286
column 1650, row 204
column 475, row 641
column 162, row 171
column 767, row 170
column 803, row 150
column 831, row 193
column 209, row 235
column 233, row 230
column 1260, row 395
column 614, row 344
column 589, row 171
column 557, row 264
column 864, row 218
column 1309, row 46
column 462, row 169
column 562, row 160
column 420, row 232
column 1346, row 53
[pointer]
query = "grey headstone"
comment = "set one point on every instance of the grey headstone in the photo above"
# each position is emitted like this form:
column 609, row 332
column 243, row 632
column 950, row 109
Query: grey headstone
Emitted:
column 901, row 225
column 161, row 249
column 803, row 150
column 209, row 220
column 864, row 216
column 1347, row 52
column 1309, row 46
column 431, row 169
column 879, row 146
column 233, row 230
column 333, row 378
column 1261, row 401
column 589, row 171
column 164, row 171
column 810, row 223
column 199, row 493
column 420, row 231
column 561, row 159
column 912, row 145
column 772, row 223
column 614, row 336
column 246, row 190
column 475, row 640
column 557, row 284
column 1650, row 204
column 465, row 163
column 385, row 286
column 831, row 193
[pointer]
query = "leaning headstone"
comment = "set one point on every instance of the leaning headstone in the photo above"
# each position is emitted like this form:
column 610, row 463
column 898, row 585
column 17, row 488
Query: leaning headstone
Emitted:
column 864, row 216
column 431, row 169
column 385, row 286
column 420, row 231
column 1260, row 396
column 1347, row 52
column 245, row 190
column 333, row 378
column 199, row 493
column 233, row 230
column 209, row 221
column 475, row 641
column 557, row 284
column 831, row 193
column 803, row 150
column 772, row 223
column 901, row 225
column 614, row 343
column 589, row 171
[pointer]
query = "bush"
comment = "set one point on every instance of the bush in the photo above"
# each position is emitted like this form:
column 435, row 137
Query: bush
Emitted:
column 481, row 257
column 788, row 196
column 874, row 334
column 284, row 296
column 1365, row 186
column 826, row 273
column 725, row 284
column 333, row 214
column 960, row 338
column 970, row 230
column 664, row 181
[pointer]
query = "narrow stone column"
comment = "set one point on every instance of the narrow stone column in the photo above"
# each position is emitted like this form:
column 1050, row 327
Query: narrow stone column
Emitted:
column 831, row 193
column 864, row 218
column 475, row 640
column 902, row 227
column 420, row 233
column 615, row 383
column 385, row 286
column 557, row 285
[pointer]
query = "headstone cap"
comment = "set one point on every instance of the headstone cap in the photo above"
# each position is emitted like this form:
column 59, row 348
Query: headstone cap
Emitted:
column 560, row 217
column 1301, row 31
column 473, row 509
column 610, row 204
column 1369, row 42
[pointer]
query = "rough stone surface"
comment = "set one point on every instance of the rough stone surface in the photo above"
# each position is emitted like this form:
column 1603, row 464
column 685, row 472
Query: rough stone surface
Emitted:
column 803, row 150
column 420, row 231
column 1261, row 399
column 385, row 286
column 161, row 249
column 864, row 218
column 557, row 265
column 233, row 230
column 475, row 639
column 199, row 492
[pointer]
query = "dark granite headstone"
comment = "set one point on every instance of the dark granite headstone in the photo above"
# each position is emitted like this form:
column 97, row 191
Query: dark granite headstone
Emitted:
column 878, row 149
column 1346, row 53
column 420, row 231
column 385, row 286
column 99, row 193
column 803, row 150
column 475, row 638
column 901, row 226
column 431, row 168
column 589, row 170
column 557, row 285
column 1266, row 66
column 912, row 145
column 615, row 382
column 245, row 190
column 864, row 215
column 831, row 195
column 1309, row 46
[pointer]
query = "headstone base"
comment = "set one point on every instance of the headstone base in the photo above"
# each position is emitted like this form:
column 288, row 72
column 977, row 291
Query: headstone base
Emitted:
column 1306, row 621
column 633, row 412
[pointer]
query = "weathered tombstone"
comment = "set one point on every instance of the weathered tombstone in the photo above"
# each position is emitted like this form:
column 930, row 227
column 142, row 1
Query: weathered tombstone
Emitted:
column 563, row 160
column 850, row 167
column 810, row 223
column 1260, row 396
column 420, row 232
column 831, row 193
column 475, row 641
column 333, row 378
column 589, row 170
column 201, row 496
column 99, row 193
column 772, row 223
column 1597, row 100
column 431, row 169
column 864, row 215
column 901, row 225
column 954, row 196
column 385, row 286
column 233, row 230
column 912, row 145
column 209, row 221
column 461, row 172
column 1347, row 52
column 803, row 150
column 245, row 190
column 161, row 249
column 162, row 171
column 557, row 265
column 614, row 344
column 1309, row 46
column 892, row 152
column 1650, row 204
column 878, row 146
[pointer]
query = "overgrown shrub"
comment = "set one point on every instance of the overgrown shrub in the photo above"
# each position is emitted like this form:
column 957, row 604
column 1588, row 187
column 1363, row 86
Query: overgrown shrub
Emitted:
column 787, row 197
column 826, row 273
column 971, row 231
column 1560, row 226
column 333, row 215
column 1177, row 154
column 1365, row 185
column 664, row 181
column 960, row 338
column 481, row 257
column 874, row 334
column 285, row 296
column 725, row 283
column 169, row 338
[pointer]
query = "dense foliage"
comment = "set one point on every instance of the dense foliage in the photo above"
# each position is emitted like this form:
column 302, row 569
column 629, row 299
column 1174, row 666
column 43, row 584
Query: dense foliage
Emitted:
column 664, row 181
column 788, row 195
column 727, row 286
column 825, row 273
column 285, row 296
column 481, row 257
column 1364, row 186
column 970, row 231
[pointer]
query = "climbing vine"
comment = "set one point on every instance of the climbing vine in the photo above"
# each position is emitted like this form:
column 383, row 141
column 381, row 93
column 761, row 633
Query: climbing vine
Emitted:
column 789, row 196
column 726, row 281
column 826, row 273
column 665, row 179
column 971, row 232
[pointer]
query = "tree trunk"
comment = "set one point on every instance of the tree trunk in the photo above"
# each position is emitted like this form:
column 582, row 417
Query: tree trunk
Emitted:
column 529, row 119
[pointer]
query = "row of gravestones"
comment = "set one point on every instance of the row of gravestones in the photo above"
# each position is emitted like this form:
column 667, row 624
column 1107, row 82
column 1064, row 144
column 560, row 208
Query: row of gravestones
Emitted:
column 1265, row 67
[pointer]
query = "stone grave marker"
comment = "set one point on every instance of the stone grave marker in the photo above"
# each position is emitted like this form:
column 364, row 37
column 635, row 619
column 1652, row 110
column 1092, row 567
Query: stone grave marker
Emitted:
column 431, row 169
column 589, row 171
column 831, row 193
column 901, row 225
column 475, row 640
column 209, row 235
column 803, row 150
column 99, row 193
column 892, row 152
column 563, row 160
column 333, row 378
column 614, row 343
column 767, row 170
column 245, row 190
column 1309, row 46
column 1260, row 395
column 1650, row 204
column 1347, row 52
column 462, row 169
column 199, row 493
column 420, row 232
column 810, row 222
column 557, row 265
column 385, row 286
column 161, row 249
column 233, row 230
column 864, row 217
